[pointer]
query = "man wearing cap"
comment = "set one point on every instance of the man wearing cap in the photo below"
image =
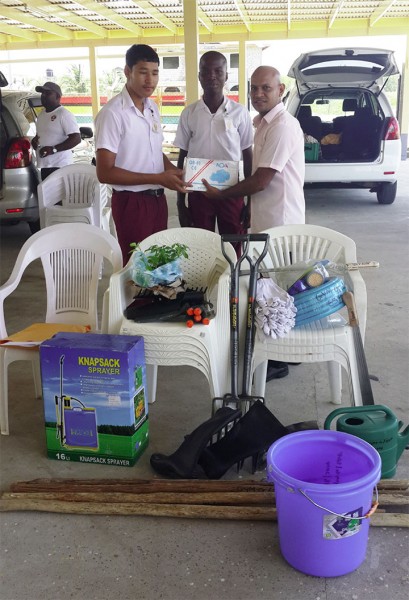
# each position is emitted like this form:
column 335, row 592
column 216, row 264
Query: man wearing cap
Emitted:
column 57, row 131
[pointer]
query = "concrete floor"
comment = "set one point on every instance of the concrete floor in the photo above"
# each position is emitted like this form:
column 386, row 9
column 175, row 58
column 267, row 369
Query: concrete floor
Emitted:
column 54, row 556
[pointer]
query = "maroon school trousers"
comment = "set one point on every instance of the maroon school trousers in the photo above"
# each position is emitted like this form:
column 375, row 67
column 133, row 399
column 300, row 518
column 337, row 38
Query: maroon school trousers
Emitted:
column 137, row 215
column 228, row 212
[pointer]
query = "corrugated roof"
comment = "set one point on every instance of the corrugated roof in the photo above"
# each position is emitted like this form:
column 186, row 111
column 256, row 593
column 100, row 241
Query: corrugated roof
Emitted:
column 34, row 22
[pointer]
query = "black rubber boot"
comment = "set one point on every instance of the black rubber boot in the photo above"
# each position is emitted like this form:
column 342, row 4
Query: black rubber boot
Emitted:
column 182, row 464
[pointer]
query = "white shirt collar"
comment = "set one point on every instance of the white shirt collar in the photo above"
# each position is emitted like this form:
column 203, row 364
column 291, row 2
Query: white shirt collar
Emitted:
column 223, row 106
column 127, row 101
column 268, row 117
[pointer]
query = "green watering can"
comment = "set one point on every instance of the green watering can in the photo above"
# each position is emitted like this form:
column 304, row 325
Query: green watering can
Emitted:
column 378, row 426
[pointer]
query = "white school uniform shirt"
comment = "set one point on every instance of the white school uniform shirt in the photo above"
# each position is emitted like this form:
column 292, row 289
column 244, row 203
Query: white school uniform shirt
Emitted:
column 279, row 145
column 53, row 128
column 135, row 137
column 219, row 136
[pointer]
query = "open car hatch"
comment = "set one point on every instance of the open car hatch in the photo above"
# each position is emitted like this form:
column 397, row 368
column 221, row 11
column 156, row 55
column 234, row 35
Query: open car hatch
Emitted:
column 340, row 67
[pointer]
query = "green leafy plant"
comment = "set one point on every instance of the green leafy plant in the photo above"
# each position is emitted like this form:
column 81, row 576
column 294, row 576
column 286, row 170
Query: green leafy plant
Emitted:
column 161, row 255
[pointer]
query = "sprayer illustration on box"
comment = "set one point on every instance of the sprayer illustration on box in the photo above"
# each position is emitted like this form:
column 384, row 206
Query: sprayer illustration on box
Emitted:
column 95, row 405
column 76, row 424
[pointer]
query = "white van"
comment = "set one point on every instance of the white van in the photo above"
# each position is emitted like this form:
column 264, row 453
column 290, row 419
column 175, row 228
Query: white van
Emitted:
column 353, row 136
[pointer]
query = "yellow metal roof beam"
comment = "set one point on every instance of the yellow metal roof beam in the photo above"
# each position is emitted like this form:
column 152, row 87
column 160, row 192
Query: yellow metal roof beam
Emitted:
column 335, row 12
column 55, row 10
column 261, row 32
column 110, row 15
column 157, row 15
column 27, row 19
column 204, row 19
column 380, row 11
column 243, row 13
column 289, row 14
column 17, row 32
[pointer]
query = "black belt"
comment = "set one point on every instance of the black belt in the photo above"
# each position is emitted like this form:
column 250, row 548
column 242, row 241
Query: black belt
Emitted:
column 157, row 193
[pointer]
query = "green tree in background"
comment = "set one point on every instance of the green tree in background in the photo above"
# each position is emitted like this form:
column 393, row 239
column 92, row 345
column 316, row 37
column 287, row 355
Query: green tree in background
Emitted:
column 112, row 82
column 392, row 84
column 75, row 82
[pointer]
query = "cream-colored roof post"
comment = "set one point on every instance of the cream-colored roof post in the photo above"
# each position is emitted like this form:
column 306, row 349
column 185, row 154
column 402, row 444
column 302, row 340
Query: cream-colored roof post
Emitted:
column 191, row 37
column 242, row 73
column 94, row 80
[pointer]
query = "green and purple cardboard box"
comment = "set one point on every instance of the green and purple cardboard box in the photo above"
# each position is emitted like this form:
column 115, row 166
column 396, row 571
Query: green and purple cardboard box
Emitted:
column 94, row 397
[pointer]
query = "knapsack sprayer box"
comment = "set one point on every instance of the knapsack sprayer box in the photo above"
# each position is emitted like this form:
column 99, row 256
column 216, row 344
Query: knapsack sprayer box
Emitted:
column 94, row 397
column 221, row 174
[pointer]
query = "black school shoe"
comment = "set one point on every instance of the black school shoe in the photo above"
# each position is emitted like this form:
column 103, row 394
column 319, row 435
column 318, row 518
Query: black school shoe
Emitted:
column 276, row 370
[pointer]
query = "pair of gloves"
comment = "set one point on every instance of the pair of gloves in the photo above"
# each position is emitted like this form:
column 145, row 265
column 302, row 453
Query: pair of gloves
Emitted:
column 275, row 311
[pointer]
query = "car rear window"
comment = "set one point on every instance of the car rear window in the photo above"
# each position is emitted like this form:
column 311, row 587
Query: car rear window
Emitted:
column 22, row 113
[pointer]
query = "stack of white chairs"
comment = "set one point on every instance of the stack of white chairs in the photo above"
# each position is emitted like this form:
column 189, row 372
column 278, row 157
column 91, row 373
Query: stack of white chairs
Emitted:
column 74, row 194
column 205, row 347
column 323, row 340
column 71, row 255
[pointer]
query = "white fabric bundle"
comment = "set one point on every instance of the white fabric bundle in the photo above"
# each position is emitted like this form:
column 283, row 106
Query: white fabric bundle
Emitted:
column 275, row 311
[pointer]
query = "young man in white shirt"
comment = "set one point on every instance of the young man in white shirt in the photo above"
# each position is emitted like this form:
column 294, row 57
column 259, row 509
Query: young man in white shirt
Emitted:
column 129, row 156
column 57, row 131
column 216, row 128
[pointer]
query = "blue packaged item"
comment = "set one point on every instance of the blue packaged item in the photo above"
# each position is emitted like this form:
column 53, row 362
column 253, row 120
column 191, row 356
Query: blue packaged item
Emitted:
column 317, row 303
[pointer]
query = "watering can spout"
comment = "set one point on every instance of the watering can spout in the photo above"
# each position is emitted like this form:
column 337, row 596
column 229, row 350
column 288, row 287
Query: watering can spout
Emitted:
column 403, row 439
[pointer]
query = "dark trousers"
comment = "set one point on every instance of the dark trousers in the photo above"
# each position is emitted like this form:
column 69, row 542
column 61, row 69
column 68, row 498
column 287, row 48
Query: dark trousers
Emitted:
column 47, row 171
column 136, row 216
column 228, row 213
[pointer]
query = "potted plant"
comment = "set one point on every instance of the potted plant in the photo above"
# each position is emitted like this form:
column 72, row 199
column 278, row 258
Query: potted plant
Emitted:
column 158, row 265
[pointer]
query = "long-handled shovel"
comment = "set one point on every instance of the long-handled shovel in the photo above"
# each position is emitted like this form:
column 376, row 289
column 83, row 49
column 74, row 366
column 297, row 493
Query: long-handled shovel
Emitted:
column 244, row 399
column 245, row 396
column 232, row 398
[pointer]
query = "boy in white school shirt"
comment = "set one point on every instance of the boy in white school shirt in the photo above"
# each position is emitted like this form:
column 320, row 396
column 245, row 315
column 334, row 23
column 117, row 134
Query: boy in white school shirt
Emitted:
column 217, row 128
column 128, row 139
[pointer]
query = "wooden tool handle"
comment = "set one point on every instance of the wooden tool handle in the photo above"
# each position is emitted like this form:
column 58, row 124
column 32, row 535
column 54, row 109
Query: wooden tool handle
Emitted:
column 362, row 265
column 349, row 300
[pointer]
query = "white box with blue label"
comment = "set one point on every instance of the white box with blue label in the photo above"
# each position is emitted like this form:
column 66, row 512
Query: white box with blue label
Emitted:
column 221, row 174
column 95, row 404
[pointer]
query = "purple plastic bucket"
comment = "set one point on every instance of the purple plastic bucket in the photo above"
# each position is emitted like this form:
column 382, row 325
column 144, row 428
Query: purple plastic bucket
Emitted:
column 336, row 471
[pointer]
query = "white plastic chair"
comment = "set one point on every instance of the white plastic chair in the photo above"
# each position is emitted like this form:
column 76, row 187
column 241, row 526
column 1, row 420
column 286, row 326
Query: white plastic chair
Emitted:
column 205, row 347
column 74, row 194
column 71, row 256
column 321, row 340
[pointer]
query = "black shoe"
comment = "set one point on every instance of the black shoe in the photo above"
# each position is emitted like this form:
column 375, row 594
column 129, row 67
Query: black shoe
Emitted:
column 182, row 464
column 276, row 370
column 251, row 436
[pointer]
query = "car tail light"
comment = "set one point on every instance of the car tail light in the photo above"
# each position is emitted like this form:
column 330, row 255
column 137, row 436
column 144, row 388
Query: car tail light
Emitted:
column 392, row 130
column 18, row 154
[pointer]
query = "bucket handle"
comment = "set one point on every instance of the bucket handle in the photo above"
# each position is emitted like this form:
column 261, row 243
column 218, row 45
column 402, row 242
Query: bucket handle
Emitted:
column 368, row 514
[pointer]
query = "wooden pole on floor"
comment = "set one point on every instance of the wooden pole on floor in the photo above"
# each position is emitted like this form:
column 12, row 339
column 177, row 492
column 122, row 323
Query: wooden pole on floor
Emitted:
column 193, row 499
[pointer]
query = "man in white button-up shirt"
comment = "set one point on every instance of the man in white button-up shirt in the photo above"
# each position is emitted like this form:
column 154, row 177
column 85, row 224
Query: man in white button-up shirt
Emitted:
column 216, row 128
column 276, row 184
column 128, row 138
column 277, row 180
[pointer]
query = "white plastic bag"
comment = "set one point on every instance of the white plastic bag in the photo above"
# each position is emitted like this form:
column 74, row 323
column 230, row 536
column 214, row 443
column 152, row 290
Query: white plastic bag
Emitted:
column 145, row 278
